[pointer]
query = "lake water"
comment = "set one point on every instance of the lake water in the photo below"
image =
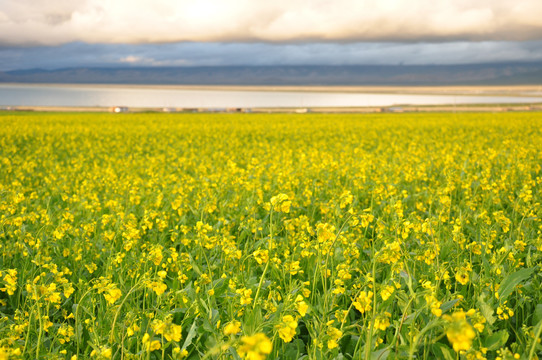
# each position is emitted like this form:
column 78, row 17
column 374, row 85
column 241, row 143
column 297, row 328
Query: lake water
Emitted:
column 106, row 96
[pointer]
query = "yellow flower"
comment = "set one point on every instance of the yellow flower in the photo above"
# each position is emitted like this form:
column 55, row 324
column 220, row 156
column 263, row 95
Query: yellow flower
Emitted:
column 341, row 315
column 155, row 255
column 149, row 345
column 334, row 334
column 178, row 353
column 462, row 276
column 51, row 294
column 255, row 347
column 459, row 332
column 477, row 320
column 261, row 256
column 92, row 267
column 292, row 267
column 382, row 321
column 301, row 308
column 504, row 312
column 363, row 301
column 11, row 281
column 287, row 328
column 132, row 329
column 386, row 292
column 434, row 304
column 158, row 287
column 109, row 235
column 47, row 323
column 345, row 199
column 103, row 352
column 65, row 333
column 112, row 295
column 170, row 331
column 245, row 296
column 281, row 203
column 232, row 328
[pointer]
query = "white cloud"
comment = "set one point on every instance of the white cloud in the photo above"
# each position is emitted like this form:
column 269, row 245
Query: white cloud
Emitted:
column 50, row 22
column 131, row 59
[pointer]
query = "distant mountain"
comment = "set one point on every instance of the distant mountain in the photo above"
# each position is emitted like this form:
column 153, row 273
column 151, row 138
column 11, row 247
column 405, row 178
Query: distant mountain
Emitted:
column 470, row 74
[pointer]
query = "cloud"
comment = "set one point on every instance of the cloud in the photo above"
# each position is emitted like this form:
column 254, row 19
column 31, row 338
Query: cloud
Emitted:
column 217, row 54
column 53, row 22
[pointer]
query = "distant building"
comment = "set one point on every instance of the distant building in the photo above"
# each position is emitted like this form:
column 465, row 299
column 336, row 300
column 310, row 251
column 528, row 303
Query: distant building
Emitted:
column 119, row 109
column 395, row 109
column 213, row 110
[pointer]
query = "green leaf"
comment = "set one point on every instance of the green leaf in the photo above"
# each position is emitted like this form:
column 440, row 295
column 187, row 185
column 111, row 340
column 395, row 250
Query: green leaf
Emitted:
column 381, row 354
column 486, row 309
column 443, row 352
column 537, row 314
column 496, row 340
column 207, row 326
column 294, row 349
column 511, row 281
column 191, row 335
column 448, row 305
column 402, row 299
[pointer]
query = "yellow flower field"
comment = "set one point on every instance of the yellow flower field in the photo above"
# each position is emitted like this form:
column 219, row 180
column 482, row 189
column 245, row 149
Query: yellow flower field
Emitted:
column 270, row 236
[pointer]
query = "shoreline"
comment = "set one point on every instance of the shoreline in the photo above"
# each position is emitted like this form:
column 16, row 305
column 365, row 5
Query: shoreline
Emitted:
column 475, row 90
column 322, row 110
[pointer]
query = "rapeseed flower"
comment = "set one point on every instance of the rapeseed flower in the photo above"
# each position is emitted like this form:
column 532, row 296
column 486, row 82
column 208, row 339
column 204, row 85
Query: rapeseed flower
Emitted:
column 168, row 329
column 246, row 296
column 150, row 345
column 10, row 279
column 287, row 328
column 102, row 352
column 382, row 321
column 261, row 256
column 281, row 203
column 232, row 328
column 458, row 331
column 301, row 306
column 255, row 347
column 157, row 286
column 363, row 301
column 195, row 206
column 334, row 336
column 462, row 276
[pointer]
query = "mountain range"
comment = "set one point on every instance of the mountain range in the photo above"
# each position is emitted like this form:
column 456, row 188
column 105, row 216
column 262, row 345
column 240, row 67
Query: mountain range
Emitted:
column 354, row 75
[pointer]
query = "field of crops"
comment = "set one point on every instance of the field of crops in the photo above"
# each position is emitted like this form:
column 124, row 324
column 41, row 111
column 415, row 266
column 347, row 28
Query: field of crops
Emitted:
column 254, row 236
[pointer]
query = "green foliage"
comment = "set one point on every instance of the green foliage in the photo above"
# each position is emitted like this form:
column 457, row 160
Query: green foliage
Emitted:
column 279, row 236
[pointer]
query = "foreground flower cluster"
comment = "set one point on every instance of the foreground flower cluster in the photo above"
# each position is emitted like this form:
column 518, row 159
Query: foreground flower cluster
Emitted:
column 189, row 236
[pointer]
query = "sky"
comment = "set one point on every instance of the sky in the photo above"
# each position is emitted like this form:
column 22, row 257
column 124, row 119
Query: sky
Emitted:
column 54, row 34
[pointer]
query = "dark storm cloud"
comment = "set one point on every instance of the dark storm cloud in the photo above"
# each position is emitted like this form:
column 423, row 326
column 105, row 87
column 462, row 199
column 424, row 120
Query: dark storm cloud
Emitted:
column 192, row 54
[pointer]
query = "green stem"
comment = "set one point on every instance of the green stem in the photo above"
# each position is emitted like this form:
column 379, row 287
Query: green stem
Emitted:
column 77, row 319
column 270, row 247
column 535, row 341
column 111, row 338
column 39, row 334
column 414, row 344
column 369, row 342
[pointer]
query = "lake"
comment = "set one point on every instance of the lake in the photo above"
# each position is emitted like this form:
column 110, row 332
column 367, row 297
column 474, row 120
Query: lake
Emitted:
column 162, row 97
